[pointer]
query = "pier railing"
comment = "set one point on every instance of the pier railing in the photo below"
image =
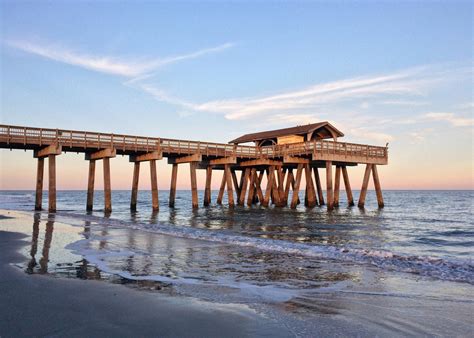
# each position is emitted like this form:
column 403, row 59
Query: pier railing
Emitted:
column 29, row 136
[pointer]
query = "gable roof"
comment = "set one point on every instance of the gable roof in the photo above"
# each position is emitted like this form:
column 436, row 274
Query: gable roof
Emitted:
column 298, row 130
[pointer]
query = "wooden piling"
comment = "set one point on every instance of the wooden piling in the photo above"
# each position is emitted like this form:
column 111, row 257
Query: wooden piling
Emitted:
column 329, row 191
column 268, row 189
column 135, row 179
column 194, row 192
column 365, row 183
column 107, row 186
column 318, row 186
column 311, row 194
column 207, row 188
column 39, row 184
column 378, row 189
column 252, row 189
column 220, row 196
column 296, row 188
column 174, row 177
column 90, row 186
column 154, row 186
column 237, row 186
column 337, row 183
column 52, row 183
column 289, row 178
column 243, row 187
column 347, row 185
column 230, row 192
column 258, row 186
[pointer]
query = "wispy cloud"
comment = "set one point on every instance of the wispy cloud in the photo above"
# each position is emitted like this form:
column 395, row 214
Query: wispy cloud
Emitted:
column 135, row 69
column 451, row 118
column 383, row 88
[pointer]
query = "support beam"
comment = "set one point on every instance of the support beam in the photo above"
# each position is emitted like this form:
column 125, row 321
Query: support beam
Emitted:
column 329, row 191
column 318, row 186
column 223, row 160
column 154, row 155
column 365, row 183
column 296, row 189
column 337, row 183
column 185, row 159
column 194, row 193
column 52, row 149
column 101, row 154
column 155, row 203
column 378, row 189
column 174, row 177
column 52, row 183
column 207, row 188
column 230, row 192
column 136, row 177
column 260, row 162
column 294, row 159
column 347, row 185
column 220, row 196
column 90, row 186
column 107, row 186
column 39, row 183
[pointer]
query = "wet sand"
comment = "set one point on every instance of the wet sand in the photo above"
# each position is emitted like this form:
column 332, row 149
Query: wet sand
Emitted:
column 35, row 305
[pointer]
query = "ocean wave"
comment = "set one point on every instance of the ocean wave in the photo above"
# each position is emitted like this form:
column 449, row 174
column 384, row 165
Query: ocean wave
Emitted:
column 458, row 270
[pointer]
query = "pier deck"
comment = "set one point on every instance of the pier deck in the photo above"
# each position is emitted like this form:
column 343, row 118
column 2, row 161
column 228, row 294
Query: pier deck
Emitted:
column 276, row 161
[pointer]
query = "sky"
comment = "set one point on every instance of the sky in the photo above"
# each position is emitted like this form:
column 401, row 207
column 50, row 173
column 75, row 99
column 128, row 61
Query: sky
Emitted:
column 396, row 72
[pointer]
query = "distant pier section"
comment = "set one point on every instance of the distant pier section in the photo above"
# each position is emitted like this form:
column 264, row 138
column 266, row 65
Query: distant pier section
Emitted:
column 280, row 156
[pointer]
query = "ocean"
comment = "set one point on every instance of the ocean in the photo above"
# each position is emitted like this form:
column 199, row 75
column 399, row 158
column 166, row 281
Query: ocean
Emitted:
column 420, row 246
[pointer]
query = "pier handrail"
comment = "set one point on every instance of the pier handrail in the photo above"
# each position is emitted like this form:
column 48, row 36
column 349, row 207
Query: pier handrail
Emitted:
column 10, row 134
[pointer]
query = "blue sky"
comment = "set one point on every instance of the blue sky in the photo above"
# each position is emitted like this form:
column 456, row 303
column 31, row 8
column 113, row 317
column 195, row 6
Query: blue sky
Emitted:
column 398, row 72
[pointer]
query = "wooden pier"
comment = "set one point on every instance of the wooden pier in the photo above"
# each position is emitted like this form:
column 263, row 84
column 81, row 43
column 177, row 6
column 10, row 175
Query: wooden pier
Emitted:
column 282, row 156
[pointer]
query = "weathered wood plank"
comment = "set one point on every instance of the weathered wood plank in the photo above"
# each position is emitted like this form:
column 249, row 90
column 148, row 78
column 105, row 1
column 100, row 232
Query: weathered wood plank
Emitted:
column 318, row 186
